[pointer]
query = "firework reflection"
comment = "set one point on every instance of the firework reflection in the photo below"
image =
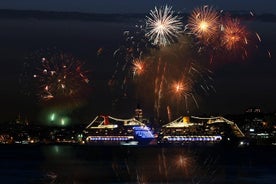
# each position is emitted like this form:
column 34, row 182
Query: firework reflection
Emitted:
column 167, row 165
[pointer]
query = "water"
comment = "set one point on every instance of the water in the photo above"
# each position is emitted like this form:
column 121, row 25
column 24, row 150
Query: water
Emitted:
column 123, row 164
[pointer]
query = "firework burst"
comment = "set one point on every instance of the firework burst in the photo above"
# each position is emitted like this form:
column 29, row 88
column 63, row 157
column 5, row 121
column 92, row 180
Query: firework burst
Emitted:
column 178, row 87
column 58, row 76
column 163, row 26
column 138, row 67
column 204, row 23
column 234, row 36
column 183, row 89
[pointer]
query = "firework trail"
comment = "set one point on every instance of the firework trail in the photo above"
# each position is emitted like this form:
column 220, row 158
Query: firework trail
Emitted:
column 175, row 76
column 159, row 87
column 132, row 64
column 169, row 113
column 164, row 73
column 129, row 60
column 163, row 26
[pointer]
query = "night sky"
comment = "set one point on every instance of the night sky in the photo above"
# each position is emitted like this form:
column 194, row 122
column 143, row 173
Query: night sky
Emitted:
column 141, row 6
column 239, row 84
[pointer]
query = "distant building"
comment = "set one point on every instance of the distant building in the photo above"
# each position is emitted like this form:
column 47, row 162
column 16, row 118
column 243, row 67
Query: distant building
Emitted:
column 253, row 110
column 19, row 120
column 139, row 113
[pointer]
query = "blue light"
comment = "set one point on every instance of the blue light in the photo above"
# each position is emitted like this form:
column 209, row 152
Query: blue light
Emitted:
column 143, row 132
column 194, row 138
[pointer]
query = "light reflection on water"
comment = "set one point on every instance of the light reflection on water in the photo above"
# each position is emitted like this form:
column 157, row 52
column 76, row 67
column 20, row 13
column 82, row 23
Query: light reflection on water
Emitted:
column 117, row 164
column 142, row 165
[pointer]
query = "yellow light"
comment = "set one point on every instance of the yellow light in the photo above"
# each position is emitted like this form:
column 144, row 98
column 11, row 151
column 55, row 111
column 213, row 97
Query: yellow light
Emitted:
column 186, row 119
column 203, row 26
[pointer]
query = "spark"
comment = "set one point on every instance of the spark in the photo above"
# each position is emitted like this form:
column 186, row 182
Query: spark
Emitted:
column 60, row 76
column 163, row 26
column 269, row 54
column 258, row 36
column 135, row 46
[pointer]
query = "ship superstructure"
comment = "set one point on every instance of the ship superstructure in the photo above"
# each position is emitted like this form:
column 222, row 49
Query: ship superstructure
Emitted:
column 110, row 130
column 187, row 130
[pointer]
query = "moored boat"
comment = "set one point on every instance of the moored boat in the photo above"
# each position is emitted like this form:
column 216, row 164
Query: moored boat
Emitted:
column 110, row 130
column 200, row 131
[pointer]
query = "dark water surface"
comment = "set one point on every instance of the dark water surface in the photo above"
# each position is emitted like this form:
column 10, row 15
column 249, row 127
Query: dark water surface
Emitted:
column 122, row 164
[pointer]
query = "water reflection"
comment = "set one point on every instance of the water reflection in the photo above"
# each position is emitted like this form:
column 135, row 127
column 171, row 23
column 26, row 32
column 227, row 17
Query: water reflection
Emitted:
column 67, row 164
column 82, row 164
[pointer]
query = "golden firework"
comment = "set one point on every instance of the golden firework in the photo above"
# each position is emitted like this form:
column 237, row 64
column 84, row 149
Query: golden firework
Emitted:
column 138, row 67
column 234, row 37
column 203, row 22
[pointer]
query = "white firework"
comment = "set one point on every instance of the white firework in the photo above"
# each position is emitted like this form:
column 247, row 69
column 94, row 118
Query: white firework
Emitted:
column 163, row 26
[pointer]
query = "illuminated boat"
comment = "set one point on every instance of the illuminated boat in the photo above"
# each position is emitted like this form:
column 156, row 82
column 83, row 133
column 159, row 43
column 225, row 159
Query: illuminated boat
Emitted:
column 110, row 130
column 196, row 130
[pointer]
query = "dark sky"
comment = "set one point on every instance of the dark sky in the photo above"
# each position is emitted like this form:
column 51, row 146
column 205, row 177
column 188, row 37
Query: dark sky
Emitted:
column 134, row 6
column 239, row 85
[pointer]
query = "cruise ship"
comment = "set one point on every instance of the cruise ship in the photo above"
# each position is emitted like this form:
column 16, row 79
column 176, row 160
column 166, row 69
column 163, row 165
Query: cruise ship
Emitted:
column 201, row 131
column 110, row 130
